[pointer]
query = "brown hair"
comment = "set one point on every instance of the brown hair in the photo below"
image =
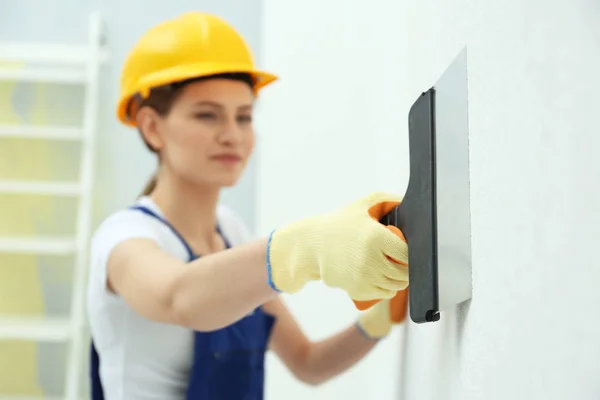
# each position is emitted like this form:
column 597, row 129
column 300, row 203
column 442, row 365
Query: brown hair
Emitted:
column 161, row 100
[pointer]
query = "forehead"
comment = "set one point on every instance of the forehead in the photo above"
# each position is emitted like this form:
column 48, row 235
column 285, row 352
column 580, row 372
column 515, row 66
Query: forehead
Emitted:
column 224, row 91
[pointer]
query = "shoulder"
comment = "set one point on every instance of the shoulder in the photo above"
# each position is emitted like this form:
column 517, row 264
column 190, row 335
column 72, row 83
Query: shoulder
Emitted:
column 132, row 224
column 126, row 223
column 232, row 225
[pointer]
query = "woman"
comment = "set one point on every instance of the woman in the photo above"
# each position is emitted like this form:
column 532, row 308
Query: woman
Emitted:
column 182, row 304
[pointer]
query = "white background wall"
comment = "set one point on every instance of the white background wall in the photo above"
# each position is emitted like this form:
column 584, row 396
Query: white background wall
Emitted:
column 333, row 129
column 534, row 66
column 532, row 329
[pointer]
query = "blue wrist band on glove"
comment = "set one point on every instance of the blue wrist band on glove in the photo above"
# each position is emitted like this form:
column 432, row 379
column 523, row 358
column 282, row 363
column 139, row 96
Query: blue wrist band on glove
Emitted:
column 269, row 272
column 364, row 333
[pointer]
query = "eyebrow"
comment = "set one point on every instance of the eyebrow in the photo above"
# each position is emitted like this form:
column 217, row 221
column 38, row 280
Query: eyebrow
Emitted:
column 218, row 105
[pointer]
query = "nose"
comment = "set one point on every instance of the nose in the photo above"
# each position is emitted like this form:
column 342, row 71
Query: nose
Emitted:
column 231, row 134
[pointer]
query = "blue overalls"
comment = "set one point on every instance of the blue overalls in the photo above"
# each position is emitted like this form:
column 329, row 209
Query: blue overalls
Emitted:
column 228, row 363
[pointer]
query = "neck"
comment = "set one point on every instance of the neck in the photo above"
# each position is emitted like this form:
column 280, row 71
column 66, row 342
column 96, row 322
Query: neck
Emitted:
column 190, row 208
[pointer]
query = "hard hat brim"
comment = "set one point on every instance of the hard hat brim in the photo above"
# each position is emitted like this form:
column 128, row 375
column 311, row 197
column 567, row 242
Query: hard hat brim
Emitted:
column 184, row 72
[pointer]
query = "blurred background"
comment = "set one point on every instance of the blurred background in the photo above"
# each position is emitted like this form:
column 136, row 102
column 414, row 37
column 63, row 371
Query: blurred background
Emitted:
column 333, row 129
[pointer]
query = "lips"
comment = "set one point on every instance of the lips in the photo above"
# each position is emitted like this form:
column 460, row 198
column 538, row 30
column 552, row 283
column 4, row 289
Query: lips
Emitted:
column 228, row 158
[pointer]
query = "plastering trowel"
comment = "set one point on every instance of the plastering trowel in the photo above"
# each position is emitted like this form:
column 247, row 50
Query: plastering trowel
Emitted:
column 434, row 215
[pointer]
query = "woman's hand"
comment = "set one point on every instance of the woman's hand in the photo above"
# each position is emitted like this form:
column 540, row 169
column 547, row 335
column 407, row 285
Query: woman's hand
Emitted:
column 348, row 249
column 377, row 321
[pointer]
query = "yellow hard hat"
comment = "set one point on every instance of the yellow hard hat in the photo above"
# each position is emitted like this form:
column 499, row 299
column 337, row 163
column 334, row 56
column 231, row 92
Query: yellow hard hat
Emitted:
column 193, row 45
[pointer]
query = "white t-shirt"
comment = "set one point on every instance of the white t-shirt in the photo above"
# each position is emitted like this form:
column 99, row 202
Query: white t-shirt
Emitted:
column 141, row 359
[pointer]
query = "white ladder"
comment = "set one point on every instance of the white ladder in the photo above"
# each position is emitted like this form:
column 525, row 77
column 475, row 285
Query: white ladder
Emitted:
column 64, row 64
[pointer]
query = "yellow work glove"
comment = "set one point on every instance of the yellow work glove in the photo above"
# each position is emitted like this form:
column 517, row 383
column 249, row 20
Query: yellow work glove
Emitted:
column 348, row 249
column 377, row 321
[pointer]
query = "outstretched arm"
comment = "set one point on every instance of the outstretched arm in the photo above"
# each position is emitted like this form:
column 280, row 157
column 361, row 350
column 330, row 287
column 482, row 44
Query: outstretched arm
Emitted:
column 219, row 289
column 315, row 362
column 206, row 294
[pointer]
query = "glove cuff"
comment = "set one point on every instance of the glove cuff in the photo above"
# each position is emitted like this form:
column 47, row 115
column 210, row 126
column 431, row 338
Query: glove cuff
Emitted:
column 290, row 259
column 373, row 328
column 269, row 266
column 362, row 330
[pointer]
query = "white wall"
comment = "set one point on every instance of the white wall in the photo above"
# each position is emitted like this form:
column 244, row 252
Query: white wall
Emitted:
column 531, row 330
column 528, row 333
column 333, row 129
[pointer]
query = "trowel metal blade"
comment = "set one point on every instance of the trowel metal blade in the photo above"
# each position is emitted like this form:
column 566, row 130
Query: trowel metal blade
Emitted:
column 435, row 213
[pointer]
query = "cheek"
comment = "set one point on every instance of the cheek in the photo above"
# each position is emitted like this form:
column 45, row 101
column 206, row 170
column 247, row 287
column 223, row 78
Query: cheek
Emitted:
column 187, row 142
column 249, row 143
column 187, row 132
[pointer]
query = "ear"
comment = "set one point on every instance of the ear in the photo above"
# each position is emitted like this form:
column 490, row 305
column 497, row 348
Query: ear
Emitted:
column 147, row 121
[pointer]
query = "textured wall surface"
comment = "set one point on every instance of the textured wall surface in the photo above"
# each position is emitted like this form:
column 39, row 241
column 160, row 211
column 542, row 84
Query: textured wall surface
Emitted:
column 533, row 77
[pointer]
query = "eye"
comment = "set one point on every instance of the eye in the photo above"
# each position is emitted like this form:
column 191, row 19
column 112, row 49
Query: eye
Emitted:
column 206, row 115
column 245, row 119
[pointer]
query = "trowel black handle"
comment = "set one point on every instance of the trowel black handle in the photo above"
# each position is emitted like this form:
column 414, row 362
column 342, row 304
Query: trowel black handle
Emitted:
column 416, row 215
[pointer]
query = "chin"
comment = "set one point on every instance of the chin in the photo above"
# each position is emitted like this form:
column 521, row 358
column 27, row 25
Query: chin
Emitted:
column 228, row 184
column 217, row 178
column 226, row 181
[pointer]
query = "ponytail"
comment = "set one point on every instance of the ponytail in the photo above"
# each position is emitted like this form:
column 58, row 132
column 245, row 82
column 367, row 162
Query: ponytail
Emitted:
column 150, row 186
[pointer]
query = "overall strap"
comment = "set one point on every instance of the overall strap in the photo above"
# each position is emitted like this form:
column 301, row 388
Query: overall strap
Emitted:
column 191, row 255
column 147, row 211
column 97, row 393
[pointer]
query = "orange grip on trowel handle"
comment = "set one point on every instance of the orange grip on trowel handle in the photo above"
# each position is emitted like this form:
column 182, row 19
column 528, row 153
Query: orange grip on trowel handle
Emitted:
column 398, row 310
